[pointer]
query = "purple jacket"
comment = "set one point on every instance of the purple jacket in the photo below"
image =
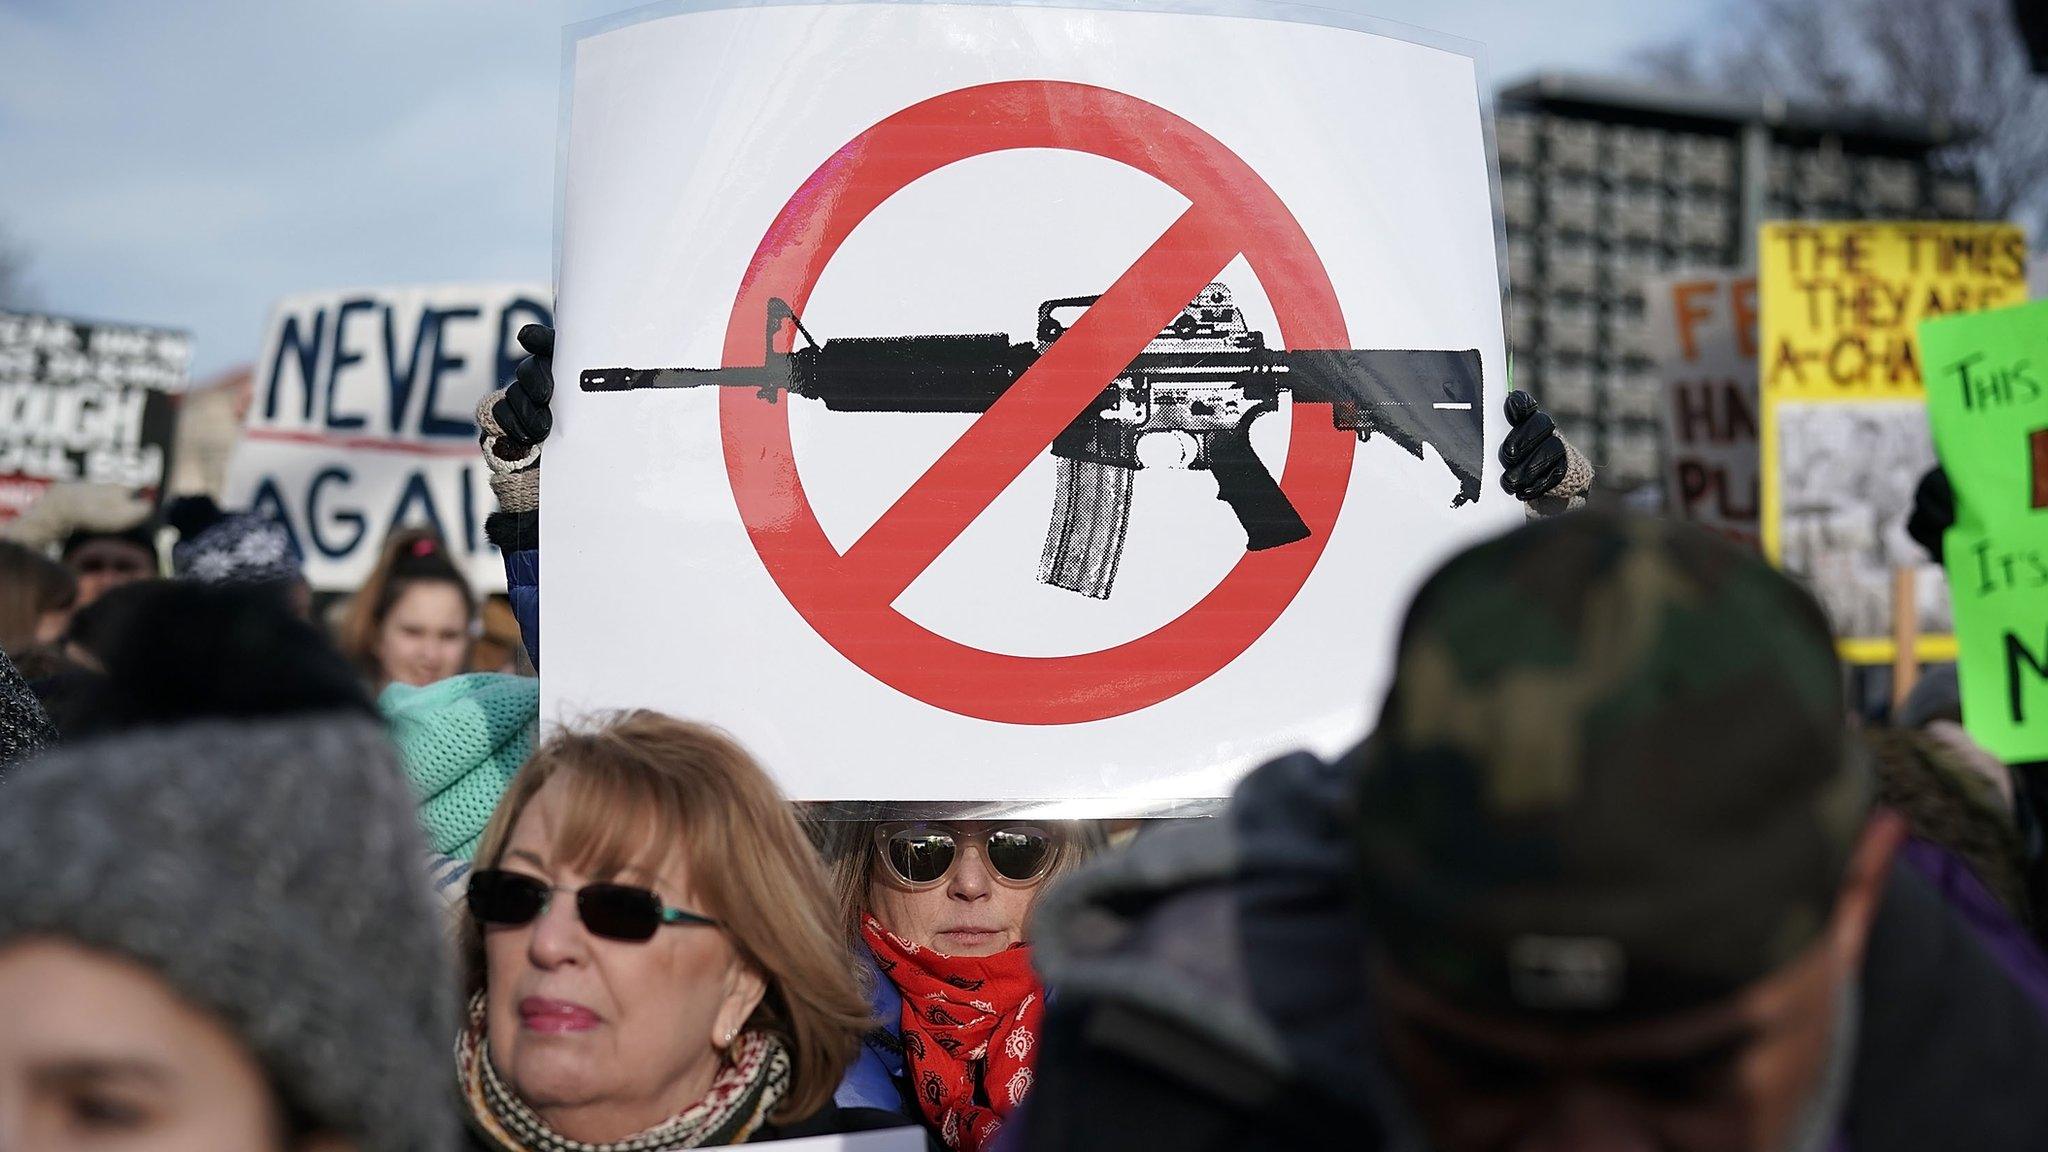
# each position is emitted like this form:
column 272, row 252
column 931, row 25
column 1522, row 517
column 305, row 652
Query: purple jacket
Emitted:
column 2015, row 951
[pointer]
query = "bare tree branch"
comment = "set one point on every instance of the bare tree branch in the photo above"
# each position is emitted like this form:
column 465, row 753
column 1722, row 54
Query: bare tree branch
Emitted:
column 1676, row 61
column 1955, row 61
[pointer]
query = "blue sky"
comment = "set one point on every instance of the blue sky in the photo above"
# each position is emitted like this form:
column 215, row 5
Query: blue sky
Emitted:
column 186, row 164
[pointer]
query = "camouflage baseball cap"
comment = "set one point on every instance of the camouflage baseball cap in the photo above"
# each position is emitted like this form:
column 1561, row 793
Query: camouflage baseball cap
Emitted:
column 1612, row 778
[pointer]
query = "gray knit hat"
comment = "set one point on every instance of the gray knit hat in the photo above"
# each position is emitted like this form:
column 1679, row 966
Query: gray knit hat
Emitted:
column 270, row 873
column 24, row 728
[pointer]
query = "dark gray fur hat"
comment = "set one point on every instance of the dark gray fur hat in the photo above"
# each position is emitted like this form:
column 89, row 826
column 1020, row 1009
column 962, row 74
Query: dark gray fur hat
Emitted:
column 271, row 873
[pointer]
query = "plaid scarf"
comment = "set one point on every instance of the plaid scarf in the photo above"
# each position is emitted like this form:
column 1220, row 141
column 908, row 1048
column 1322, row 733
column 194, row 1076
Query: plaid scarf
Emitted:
column 969, row 1025
column 746, row 1090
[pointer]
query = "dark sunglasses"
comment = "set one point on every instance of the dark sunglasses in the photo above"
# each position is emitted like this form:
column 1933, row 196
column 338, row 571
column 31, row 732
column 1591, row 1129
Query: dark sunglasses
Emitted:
column 923, row 855
column 613, row 911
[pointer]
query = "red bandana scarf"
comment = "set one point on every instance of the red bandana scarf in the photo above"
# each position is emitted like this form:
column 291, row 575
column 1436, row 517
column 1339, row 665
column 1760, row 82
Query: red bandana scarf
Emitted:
column 968, row 1022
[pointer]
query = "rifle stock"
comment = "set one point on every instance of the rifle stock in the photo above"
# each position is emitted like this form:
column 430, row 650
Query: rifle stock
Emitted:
column 1415, row 397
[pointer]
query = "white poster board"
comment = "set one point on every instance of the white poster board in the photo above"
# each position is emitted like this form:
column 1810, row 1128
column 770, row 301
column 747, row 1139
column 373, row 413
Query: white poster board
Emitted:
column 1702, row 330
column 906, row 1139
column 856, row 594
column 362, row 419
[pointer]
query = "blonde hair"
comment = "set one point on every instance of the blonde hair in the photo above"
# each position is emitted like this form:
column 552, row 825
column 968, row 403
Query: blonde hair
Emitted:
column 848, row 847
column 643, row 787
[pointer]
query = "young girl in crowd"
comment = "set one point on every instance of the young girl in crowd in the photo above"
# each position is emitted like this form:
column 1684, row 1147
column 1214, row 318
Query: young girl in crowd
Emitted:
column 213, row 936
column 415, row 617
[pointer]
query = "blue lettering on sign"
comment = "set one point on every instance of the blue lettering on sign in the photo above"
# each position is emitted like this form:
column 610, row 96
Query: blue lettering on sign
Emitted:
column 468, row 509
column 354, row 520
column 417, row 492
column 268, row 501
column 432, row 423
column 293, row 343
column 400, row 383
column 524, row 311
column 344, row 357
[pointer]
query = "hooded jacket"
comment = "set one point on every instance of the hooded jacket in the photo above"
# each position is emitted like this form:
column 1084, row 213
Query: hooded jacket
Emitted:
column 1214, row 994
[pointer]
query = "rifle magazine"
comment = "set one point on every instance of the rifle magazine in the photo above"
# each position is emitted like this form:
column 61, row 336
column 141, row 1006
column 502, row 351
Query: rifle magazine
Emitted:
column 1085, row 541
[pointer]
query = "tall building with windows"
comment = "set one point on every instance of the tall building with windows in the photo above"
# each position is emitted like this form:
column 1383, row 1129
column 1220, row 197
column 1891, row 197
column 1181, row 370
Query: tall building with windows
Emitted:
column 1605, row 182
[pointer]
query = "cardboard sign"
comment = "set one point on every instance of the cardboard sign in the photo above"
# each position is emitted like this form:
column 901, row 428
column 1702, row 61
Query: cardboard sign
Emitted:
column 1702, row 329
column 993, row 408
column 362, row 420
column 1987, row 396
column 1845, row 435
column 85, row 401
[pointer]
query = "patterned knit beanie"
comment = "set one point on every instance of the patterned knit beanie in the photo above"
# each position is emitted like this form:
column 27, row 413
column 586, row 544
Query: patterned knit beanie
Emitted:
column 217, row 547
column 461, row 741
column 268, row 871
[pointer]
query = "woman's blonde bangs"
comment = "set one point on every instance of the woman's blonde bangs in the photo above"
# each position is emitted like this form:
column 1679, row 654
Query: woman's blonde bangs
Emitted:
column 643, row 787
column 619, row 821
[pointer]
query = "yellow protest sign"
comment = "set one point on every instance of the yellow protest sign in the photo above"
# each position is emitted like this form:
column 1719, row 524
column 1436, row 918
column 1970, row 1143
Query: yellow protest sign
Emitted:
column 1845, row 435
column 1842, row 301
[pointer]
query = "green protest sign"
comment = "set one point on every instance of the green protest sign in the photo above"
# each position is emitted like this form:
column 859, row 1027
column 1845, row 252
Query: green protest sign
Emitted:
column 1987, row 396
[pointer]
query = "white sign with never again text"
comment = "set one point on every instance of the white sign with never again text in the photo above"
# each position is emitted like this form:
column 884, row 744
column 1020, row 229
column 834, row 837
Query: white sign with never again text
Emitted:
column 363, row 419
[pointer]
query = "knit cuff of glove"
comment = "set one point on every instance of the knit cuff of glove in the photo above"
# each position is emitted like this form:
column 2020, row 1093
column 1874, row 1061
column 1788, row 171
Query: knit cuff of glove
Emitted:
column 513, row 531
column 517, row 491
column 515, row 526
column 502, row 453
column 1569, row 493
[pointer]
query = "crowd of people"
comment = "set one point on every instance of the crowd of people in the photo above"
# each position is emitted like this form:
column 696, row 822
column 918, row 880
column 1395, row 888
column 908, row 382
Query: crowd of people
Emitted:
column 1617, row 869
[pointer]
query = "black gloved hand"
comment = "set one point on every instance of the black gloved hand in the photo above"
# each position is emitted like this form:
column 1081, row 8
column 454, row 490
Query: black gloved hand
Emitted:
column 520, row 409
column 1532, row 457
column 1934, row 512
column 511, row 423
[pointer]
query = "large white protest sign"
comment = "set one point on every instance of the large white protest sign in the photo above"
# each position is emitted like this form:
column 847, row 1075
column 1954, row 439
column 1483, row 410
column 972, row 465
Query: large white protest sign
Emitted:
column 905, row 1139
column 1029, row 548
column 85, row 401
column 1702, row 329
column 362, row 419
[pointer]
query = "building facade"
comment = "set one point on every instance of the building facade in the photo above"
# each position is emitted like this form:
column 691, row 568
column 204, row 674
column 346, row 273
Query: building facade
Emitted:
column 1605, row 182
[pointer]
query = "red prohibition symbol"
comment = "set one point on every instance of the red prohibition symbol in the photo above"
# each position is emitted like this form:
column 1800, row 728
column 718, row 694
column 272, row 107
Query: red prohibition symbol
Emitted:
column 849, row 598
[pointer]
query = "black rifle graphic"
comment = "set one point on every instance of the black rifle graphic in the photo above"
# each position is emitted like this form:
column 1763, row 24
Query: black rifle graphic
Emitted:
column 1199, row 385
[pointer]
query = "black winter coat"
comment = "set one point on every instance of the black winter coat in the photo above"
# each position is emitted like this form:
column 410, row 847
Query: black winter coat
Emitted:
column 1213, row 996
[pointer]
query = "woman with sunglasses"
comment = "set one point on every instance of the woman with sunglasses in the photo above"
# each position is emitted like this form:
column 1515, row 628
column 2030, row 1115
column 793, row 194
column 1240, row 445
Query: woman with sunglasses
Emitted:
column 937, row 912
column 652, row 956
